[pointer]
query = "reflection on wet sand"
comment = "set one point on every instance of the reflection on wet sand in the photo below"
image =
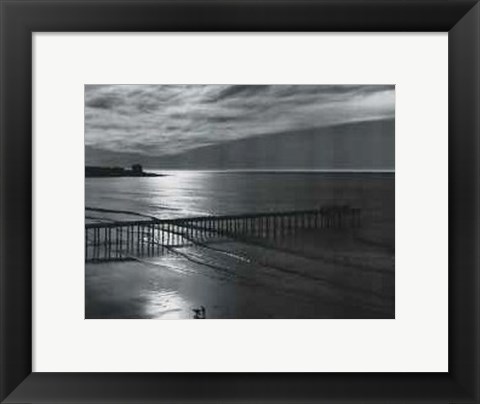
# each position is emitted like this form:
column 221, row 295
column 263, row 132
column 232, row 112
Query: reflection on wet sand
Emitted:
column 294, row 279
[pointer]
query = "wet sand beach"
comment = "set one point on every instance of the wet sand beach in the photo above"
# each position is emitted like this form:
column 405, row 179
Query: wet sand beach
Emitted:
column 316, row 274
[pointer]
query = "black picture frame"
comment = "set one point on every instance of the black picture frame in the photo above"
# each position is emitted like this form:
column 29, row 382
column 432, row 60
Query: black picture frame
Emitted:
column 20, row 18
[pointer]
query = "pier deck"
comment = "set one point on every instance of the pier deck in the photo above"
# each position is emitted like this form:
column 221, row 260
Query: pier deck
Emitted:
column 125, row 240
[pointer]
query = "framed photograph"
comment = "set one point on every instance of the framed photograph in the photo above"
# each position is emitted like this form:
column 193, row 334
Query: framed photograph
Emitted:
column 259, row 201
column 302, row 176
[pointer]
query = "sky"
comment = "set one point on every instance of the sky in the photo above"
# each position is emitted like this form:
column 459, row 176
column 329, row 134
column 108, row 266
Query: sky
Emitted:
column 162, row 120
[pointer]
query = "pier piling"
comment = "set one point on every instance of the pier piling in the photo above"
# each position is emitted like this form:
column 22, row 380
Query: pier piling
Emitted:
column 155, row 237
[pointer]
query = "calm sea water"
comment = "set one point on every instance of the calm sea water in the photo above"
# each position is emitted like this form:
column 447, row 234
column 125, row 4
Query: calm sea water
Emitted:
column 198, row 193
column 322, row 274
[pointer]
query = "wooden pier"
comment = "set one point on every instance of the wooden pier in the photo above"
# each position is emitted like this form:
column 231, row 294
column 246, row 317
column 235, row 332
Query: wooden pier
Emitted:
column 127, row 239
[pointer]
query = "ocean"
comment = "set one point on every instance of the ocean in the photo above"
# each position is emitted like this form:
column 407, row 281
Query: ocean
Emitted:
column 316, row 273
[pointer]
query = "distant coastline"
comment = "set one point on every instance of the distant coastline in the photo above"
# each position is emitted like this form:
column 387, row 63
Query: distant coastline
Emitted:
column 135, row 171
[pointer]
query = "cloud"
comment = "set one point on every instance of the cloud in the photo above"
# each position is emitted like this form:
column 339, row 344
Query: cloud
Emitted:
column 160, row 120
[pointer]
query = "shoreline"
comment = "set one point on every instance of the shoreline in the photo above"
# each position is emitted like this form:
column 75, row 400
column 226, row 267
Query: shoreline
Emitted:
column 320, row 275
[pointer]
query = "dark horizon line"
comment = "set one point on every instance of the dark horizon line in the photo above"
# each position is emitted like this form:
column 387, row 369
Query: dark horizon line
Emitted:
column 332, row 170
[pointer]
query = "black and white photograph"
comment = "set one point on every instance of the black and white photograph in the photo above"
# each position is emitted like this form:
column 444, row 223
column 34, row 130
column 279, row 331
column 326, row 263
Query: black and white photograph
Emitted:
column 218, row 201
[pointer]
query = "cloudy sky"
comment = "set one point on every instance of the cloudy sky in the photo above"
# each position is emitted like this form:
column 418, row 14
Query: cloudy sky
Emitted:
column 156, row 120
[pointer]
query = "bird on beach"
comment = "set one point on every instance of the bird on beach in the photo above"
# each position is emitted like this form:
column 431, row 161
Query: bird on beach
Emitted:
column 200, row 313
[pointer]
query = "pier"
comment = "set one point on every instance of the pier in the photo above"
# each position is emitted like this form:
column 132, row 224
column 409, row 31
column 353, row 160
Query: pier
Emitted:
column 125, row 240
